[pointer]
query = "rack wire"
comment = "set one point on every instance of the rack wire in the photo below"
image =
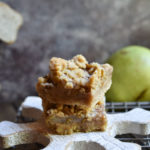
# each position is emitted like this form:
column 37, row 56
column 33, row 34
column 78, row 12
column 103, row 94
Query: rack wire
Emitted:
column 112, row 108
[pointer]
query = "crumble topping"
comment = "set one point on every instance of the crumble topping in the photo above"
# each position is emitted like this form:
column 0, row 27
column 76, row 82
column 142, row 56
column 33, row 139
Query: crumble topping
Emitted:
column 75, row 73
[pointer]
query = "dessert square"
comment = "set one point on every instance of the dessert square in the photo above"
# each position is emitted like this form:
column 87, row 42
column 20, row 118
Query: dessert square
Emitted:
column 66, row 119
column 75, row 82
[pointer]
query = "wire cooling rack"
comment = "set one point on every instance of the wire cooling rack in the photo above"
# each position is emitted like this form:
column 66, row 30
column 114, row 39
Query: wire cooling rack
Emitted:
column 112, row 108
column 144, row 141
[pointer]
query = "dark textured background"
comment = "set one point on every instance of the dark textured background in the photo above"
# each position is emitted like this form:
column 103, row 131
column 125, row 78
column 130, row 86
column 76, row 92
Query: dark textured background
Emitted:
column 94, row 28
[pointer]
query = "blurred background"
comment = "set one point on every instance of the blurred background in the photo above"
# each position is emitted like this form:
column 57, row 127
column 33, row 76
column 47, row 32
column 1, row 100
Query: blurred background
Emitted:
column 64, row 28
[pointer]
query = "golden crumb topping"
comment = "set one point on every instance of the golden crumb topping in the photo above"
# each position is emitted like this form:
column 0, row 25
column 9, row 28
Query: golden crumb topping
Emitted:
column 75, row 73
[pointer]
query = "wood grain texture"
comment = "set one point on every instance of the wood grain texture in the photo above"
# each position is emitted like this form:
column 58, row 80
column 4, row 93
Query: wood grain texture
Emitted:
column 12, row 134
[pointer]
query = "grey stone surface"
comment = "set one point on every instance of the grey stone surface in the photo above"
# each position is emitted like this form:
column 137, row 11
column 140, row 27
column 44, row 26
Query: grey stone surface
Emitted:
column 94, row 28
column 7, row 112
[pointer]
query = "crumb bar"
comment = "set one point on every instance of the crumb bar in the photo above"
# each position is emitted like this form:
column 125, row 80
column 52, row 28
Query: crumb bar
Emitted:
column 66, row 119
column 75, row 82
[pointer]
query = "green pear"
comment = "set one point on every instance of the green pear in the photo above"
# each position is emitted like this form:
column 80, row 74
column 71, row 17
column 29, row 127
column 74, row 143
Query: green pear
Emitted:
column 131, row 75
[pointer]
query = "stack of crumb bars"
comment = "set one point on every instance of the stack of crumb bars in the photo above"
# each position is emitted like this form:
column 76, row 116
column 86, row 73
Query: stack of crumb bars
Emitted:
column 73, row 95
